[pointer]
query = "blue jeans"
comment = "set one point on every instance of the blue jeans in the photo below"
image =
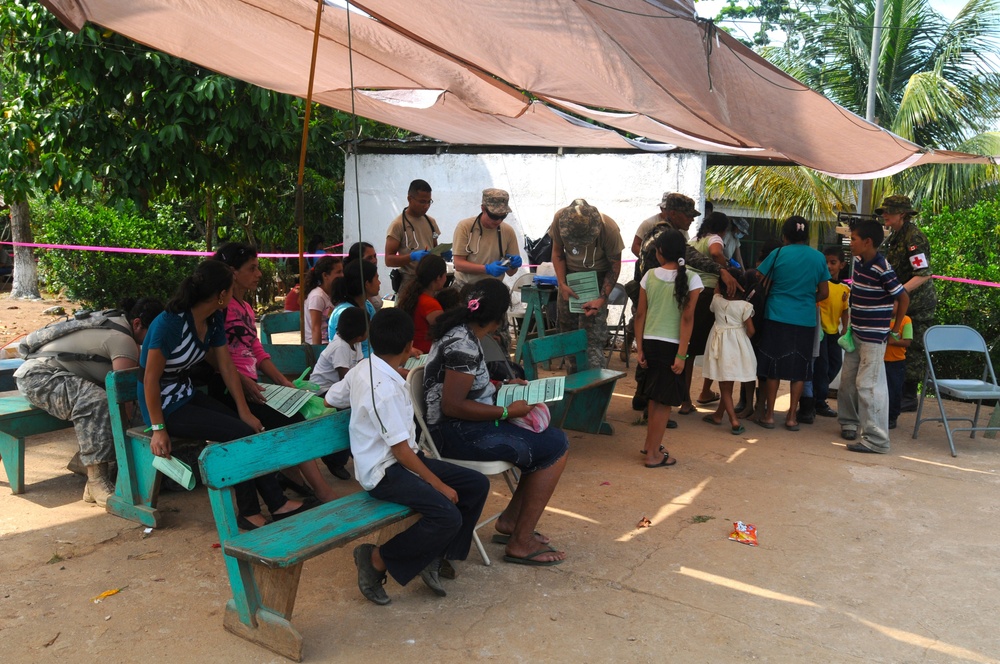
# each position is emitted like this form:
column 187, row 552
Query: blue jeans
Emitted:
column 503, row 441
column 444, row 529
column 827, row 366
column 895, row 374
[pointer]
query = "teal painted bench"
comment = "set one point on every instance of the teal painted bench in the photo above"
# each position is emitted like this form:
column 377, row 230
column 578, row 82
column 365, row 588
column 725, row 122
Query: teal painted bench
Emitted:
column 264, row 565
column 588, row 391
column 138, row 487
column 285, row 321
column 7, row 368
column 292, row 359
column 18, row 420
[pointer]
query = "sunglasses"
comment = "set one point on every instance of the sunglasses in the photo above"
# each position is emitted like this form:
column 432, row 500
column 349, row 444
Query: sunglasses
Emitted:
column 495, row 217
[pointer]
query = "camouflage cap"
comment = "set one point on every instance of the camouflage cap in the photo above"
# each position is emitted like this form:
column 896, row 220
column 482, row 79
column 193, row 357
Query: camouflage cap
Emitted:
column 495, row 201
column 579, row 223
column 678, row 202
column 897, row 203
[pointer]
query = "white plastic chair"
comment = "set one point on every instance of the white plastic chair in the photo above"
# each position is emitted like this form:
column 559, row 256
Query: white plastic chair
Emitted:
column 518, row 308
column 415, row 382
column 962, row 339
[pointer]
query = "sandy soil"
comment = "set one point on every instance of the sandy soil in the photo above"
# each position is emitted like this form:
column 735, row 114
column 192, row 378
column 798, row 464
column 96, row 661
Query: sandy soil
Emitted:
column 862, row 558
column 19, row 317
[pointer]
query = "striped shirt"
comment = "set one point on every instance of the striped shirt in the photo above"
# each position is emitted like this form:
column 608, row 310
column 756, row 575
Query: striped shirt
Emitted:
column 174, row 335
column 873, row 293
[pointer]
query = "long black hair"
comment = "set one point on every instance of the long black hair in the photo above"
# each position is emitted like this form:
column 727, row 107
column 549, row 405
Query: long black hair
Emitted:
column 348, row 287
column 322, row 267
column 482, row 302
column 357, row 251
column 429, row 268
column 235, row 254
column 714, row 224
column 671, row 245
column 210, row 278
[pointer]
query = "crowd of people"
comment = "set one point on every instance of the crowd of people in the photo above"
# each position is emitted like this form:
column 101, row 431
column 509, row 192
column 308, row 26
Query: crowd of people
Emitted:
column 692, row 297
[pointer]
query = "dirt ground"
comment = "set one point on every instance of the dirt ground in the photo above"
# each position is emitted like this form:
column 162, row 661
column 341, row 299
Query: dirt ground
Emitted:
column 862, row 558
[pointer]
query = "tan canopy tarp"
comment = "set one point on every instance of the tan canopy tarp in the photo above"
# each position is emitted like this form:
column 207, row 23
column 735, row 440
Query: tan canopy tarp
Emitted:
column 455, row 70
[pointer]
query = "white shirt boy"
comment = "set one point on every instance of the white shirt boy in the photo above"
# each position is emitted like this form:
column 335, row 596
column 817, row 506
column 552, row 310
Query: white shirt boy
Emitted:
column 386, row 393
column 338, row 353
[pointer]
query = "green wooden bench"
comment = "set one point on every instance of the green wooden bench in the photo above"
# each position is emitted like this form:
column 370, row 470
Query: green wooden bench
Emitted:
column 18, row 420
column 292, row 359
column 285, row 321
column 264, row 565
column 588, row 391
column 7, row 368
column 138, row 487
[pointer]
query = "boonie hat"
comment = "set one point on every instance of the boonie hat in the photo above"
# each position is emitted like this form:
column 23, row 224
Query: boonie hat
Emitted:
column 579, row 223
column 741, row 225
column 495, row 201
column 897, row 203
column 678, row 202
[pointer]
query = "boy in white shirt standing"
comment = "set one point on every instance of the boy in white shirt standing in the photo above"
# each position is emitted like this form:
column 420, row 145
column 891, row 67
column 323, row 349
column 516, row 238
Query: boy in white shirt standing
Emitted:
column 389, row 465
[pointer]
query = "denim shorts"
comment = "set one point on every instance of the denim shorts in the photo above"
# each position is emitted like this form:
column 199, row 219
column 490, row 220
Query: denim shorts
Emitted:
column 489, row 441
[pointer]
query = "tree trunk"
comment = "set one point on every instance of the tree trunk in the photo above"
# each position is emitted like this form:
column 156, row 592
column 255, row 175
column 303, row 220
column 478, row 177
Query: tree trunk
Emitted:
column 25, row 269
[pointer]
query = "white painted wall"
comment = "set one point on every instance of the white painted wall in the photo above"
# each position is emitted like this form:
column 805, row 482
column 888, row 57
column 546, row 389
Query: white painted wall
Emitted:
column 626, row 187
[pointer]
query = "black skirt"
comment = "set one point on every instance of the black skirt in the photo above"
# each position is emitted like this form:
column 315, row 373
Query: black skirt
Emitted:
column 660, row 383
column 785, row 351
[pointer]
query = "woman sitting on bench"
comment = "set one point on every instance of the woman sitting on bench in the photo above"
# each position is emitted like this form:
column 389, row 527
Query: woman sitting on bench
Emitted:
column 250, row 358
column 191, row 329
column 467, row 424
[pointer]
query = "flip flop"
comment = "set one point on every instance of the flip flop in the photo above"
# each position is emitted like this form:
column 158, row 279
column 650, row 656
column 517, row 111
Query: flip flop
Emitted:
column 704, row 402
column 662, row 449
column 766, row 425
column 711, row 420
column 681, row 411
column 503, row 538
column 530, row 558
column 792, row 427
column 667, row 461
column 737, row 430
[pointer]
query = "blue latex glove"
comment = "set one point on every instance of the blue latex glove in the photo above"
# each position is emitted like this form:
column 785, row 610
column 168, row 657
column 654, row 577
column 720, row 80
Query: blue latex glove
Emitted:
column 447, row 256
column 515, row 261
column 733, row 263
column 495, row 269
column 418, row 254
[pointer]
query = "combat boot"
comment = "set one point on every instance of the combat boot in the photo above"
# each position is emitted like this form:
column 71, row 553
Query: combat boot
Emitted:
column 99, row 486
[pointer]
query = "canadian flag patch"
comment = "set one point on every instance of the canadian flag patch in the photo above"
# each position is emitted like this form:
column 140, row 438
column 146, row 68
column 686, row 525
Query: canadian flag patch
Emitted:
column 918, row 261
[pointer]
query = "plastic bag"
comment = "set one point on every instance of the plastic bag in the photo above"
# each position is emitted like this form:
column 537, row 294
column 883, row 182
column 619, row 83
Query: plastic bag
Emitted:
column 304, row 384
column 744, row 533
column 846, row 341
column 315, row 407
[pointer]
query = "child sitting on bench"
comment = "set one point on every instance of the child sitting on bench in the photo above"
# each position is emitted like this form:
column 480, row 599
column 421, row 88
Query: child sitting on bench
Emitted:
column 389, row 465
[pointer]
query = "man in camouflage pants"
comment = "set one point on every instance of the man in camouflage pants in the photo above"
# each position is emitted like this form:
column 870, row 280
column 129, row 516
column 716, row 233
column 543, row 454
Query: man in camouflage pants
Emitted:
column 584, row 240
column 909, row 253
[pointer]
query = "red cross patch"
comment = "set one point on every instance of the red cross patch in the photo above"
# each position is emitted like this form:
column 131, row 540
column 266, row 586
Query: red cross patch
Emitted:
column 918, row 261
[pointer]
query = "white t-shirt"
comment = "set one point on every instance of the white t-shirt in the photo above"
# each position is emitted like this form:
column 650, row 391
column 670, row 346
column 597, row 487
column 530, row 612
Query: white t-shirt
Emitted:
column 337, row 354
column 318, row 300
column 373, row 436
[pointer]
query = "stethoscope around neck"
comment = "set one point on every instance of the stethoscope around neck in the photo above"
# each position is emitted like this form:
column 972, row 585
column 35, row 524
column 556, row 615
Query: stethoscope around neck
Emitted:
column 413, row 232
column 482, row 231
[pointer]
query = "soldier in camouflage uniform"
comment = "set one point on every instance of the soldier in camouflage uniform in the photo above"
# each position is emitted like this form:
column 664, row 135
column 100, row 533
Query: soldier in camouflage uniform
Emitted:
column 584, row 240
column 676, row 211
column 66, row 380
column 909, row 253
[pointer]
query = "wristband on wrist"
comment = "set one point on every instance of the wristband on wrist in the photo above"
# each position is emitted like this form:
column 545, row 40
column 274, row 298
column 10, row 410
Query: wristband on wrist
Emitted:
column 156, row 427
column 682, row 357
column 503, row 416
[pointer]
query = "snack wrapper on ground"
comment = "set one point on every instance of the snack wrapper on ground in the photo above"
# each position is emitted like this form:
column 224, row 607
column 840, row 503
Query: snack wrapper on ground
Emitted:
column 744, row 533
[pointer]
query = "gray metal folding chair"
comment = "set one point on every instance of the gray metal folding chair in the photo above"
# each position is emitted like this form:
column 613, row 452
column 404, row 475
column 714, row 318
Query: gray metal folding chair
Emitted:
column 415, row 382
column 960, row 339
column 617, row 333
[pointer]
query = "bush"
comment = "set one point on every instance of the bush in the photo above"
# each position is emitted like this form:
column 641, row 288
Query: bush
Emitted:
column 100, row 279
column 966, row 244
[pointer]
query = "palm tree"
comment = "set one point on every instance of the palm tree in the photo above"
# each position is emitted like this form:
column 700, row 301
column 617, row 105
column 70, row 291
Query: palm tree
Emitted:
column 938, row 86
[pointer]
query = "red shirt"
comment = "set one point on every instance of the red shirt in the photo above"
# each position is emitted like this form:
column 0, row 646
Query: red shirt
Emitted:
column 425, row 305
column 292, row 300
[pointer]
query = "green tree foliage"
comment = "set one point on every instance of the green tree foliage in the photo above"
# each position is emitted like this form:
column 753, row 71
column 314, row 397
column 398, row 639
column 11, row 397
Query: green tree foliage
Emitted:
column 938, row 86
column 101, row 279
column 966, row 244
column 94, row 115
